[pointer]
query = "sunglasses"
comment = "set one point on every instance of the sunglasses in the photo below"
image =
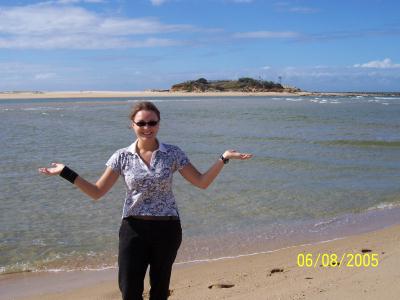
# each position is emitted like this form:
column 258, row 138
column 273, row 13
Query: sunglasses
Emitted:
column 143, row 123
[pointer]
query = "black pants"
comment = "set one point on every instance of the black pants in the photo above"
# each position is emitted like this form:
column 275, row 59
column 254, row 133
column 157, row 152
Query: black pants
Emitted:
column 143, row 243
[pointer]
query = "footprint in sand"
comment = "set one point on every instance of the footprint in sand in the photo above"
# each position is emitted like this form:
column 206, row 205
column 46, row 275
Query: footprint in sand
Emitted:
column 276, row 270
column 221, row 286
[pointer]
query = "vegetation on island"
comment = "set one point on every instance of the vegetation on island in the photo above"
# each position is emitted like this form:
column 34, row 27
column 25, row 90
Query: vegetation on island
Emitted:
column 245, row 84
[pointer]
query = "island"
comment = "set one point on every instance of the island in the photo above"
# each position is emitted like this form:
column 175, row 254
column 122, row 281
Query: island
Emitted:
column 244, row 84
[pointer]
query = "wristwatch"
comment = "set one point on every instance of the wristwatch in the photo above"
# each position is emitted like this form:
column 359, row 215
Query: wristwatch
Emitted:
column 225, row 160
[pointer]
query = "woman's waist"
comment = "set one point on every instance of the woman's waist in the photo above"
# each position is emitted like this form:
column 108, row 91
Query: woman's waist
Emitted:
column 152, row 218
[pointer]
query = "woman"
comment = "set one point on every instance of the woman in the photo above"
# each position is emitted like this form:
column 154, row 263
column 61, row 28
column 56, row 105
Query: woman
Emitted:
column 150, row 232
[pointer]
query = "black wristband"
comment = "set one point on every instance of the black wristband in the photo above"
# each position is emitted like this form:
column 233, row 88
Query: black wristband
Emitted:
column 68, row 174
column 224, row 160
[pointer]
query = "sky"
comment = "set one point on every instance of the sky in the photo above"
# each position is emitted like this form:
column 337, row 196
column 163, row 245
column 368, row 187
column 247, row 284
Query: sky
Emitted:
column 73, row 45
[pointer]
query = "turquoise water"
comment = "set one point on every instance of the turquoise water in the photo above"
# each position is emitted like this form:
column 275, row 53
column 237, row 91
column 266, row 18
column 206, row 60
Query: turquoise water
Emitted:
column 322, row 167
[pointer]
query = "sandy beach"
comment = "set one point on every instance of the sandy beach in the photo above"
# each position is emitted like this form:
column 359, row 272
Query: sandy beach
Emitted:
column 369, row 269
column 149, row 94
column 122, row 94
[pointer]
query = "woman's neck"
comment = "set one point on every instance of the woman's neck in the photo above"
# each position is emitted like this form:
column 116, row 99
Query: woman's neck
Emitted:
column 150, row 145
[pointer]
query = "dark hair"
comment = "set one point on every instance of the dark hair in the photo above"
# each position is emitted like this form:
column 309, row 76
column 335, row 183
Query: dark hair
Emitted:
column 144, row 105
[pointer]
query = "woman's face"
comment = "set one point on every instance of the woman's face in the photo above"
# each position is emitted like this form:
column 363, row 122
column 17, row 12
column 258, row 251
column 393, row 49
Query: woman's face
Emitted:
column 146, row 132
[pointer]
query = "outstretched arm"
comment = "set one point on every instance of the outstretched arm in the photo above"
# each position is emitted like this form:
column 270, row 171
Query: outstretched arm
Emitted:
column 95, row 191
column 191, row 174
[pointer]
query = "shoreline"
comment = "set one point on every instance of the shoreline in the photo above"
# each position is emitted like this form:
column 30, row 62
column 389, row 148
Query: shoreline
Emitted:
column 275, row 273
column 203, row 248
column 124, row 94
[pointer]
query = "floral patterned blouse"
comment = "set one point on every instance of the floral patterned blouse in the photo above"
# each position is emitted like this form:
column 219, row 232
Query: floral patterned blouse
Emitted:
column 148, row 188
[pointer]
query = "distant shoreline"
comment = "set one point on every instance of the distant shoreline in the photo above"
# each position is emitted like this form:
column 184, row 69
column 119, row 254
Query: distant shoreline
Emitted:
column 146, row 94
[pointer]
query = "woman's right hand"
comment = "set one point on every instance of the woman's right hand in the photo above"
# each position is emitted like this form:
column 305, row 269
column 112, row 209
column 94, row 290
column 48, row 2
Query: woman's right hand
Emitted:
column 54, row 170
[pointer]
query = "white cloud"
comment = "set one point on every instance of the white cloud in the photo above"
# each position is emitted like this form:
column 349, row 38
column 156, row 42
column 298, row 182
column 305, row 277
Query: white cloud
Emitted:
column 287, row 7
column 70, row 2
column 15, row 75
column 242, row 1
column 332, row 78
column 54, row 26
column 380, row 64
column 303, row 10
column 78, row 1
column 266, row 68
column 266, row 34
column 48, row 19
column 83, row 42
column 157, row 2
column 42, row 76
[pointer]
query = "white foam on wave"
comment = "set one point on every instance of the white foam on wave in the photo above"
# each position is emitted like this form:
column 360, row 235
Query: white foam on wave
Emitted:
column 91, row 253
column 101, row 268
column 17, row 267
column 253, row 254
column 38, row 242
column 383, row 206
column 295, row 99
column 170, row 100
column 324, row 223
column 387, row 98
column 41, row 108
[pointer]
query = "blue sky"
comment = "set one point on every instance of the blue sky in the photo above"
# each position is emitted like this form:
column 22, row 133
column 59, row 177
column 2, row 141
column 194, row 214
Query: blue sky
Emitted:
column 71, row 45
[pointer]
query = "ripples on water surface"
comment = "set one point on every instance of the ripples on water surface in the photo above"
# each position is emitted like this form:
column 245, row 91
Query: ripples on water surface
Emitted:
column 321, row 165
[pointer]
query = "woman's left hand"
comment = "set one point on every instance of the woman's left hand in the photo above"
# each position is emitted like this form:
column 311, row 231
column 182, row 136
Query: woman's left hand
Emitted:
column 233, row 154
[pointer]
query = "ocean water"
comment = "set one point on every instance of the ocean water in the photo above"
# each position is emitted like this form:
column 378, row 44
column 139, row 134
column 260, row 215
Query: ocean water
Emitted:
column 323, row 167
